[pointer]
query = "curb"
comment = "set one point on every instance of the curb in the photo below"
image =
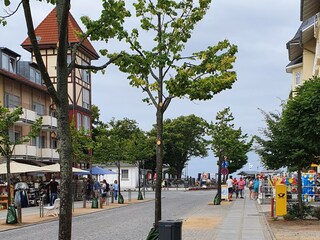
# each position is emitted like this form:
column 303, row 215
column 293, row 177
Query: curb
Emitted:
column 268, row 231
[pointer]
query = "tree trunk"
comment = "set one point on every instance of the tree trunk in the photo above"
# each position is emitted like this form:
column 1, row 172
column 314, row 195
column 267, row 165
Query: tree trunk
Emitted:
column 64, row 134
column 219, row 177
column 159, row 158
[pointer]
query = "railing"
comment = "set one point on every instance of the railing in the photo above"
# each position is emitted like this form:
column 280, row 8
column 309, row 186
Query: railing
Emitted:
column 47, row 153
column 49, row 123
column 25, row 150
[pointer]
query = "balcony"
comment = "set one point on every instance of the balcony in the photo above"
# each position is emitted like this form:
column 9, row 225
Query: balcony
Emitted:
column 49, row 123
column 47, row 153
column 25, row 151
column 27, row 117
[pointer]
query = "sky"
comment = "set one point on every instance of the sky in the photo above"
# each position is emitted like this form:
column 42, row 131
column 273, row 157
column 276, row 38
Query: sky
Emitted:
column 260, row 29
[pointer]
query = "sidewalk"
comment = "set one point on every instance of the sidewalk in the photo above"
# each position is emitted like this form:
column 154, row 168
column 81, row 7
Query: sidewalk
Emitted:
column 31, row 215
column 240, row 219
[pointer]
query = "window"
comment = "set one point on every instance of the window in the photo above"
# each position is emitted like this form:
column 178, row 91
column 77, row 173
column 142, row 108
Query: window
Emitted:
column 39, row 142
column 38, row 108
column 85, row 73
column 86, row 123
column 298, row 78
column 8, row 63
column 35, row 76
column 124, row 174
column 11, row 101
column 78, row 121
column 14, row 136
column 86, row 98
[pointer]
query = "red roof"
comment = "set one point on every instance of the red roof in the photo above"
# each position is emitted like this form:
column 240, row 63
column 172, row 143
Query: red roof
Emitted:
column 47, row 34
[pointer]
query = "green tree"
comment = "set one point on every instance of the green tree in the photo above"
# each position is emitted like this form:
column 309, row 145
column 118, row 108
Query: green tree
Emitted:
column 291, row 137
column 7, row 145
column 120, row 141
column 184, row 138
column 228, row 145
column 59, row 94
column 82, row 143
column 161, row 68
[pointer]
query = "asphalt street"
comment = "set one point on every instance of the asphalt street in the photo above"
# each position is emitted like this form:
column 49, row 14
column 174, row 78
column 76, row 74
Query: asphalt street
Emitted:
column 132, row 222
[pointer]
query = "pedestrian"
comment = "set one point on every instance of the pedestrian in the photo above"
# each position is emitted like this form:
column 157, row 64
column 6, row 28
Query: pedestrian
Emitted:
column 256, row 183
column 235, row 187
column 53, row 190
column 250, row 186
column 88, row 190
column 105, row 189
column 115, row 189
column 241, row 184
column 230, row 187
column 96, row 188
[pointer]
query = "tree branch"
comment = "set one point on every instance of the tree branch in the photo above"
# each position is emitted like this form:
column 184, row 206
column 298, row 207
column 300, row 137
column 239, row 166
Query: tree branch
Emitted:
column 36, row 52
column 98, row 67
column 13, row 12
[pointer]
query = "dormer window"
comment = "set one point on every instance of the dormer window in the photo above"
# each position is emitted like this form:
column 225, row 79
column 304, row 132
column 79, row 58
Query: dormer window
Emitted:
column 35, row 76
column 8, row 63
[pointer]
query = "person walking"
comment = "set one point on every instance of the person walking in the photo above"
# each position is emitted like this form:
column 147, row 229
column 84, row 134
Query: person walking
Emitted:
column 256, row 183
column 241, row 184
column 250, row 186
column 115, row 190
column 230, row 187
column 53, row 190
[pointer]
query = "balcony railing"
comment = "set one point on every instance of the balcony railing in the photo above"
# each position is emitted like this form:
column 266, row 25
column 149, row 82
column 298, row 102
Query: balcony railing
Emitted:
column 25, row 151
column 47, row 153
column 49, row 123
column 27, row 117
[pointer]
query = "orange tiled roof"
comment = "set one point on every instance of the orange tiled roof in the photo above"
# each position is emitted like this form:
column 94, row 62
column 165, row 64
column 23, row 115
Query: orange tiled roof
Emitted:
column 47, row 33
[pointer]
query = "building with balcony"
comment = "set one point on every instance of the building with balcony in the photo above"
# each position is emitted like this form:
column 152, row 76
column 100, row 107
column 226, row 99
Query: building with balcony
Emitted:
column 21, row 85
column 304, row 47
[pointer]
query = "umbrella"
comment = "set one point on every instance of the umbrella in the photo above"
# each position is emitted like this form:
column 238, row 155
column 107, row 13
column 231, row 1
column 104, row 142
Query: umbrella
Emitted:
column 56, row 168
column 100, row 171
column 16, row 167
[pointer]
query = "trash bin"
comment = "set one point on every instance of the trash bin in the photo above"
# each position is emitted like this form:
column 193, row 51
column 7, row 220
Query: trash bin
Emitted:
column 11, row 215
column 170, row 230
column 94, row 203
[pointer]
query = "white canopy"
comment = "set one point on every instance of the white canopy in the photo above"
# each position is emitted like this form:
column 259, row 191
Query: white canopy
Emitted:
column 16, row 167
column 56, row 168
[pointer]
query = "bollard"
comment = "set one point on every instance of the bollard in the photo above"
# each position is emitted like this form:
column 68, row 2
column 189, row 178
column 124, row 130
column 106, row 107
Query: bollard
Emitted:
column 112, row 197
column 84, row 194
column 129, row 195
column 41, row 205
column 107, row 199
column 19, row 213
